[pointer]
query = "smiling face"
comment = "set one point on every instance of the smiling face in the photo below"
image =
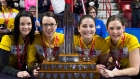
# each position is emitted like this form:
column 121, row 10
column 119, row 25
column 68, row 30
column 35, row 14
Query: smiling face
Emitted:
column 87, row 28
column 92, row 12
column 115, row 30
column 25, row 26
column 49, row 26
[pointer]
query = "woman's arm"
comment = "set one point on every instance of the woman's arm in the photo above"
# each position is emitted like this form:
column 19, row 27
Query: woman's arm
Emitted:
column 5, row 55
column 134, row 60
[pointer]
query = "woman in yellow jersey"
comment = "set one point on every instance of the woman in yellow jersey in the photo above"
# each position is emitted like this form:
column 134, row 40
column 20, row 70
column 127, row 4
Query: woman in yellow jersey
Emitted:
column 47, row 43
column 7, row 15
column 13, row 48
column 86, row 41
column 124, row 49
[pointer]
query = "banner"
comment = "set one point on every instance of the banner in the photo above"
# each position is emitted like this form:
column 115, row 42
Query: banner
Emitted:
column 58, row 5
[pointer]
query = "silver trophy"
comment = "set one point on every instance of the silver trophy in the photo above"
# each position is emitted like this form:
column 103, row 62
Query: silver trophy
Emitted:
column 86, row 56
column 73, row 66
column 52, row 66
column 50, row 56
column 79, row 66
column 55, row 75
column 62, row 75
column 68, row 54
column 41, row 75
column 84, row 75
column 59, row 66
column 45, row 66
column 69, row 75
column 92, row 66
column 85, row 66
column 48, row 75
column 66, row 67
column 76, row 75
column 91, row 75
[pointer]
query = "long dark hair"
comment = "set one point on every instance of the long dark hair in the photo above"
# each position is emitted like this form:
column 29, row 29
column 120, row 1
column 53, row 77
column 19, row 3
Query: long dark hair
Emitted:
column 17, row 25
column 76, row 32
column 10, row 4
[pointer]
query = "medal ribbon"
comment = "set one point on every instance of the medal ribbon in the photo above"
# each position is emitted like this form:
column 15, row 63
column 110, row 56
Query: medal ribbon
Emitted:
column 21, row 59
column 117, row 65
column 91, row 50
column 54, row 49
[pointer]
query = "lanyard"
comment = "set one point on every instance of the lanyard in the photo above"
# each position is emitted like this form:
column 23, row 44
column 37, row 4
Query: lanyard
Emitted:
column 22, row 58
column 54, row 49
column 117, row 64
column 91, row 50
column 6, row 19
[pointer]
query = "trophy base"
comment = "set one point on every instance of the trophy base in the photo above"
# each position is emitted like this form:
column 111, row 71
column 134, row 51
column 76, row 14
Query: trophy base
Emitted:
column 69, row 57
column 68, row 70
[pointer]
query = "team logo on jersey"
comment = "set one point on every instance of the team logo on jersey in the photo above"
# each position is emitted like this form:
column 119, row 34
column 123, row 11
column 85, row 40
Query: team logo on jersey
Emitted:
column 115, row 52
column 95, row 53
column 13, row 49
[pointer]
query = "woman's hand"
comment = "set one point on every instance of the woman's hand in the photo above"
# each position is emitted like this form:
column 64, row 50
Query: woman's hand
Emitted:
column 23, row 74
column 100, row 67
column 107, row 73
column 37, row 23
column 35, row 71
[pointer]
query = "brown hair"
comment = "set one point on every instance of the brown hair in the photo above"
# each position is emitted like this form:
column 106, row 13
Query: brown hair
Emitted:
column 90, row 8
column 115, row 17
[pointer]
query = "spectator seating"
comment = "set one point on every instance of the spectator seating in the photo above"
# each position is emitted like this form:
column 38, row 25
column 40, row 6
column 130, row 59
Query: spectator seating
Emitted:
column 127, row 13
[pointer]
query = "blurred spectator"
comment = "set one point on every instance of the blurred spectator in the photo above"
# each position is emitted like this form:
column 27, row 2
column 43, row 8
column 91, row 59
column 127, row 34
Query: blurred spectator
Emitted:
column 100, row 26
column 8, row 14
column 135, row 6
column 21, row 5
column 16, row 4
column 77, row 10
column 92, row 3
column 32, row 10
column 43, row 6
column 29, row 3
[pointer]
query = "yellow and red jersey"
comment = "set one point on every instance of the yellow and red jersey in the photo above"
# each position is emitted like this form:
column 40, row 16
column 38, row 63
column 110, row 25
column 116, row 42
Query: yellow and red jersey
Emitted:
column 130, row 43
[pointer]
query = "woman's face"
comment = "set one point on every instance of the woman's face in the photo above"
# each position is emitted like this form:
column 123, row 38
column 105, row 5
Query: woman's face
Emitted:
column 92, row 12
column 25, row 26
column 33, row 11
column 87, row 28
column 115, row 30
column 49, row 26
column 3, row 2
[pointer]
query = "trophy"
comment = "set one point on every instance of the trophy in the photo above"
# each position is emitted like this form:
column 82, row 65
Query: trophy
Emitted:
column 68, row 55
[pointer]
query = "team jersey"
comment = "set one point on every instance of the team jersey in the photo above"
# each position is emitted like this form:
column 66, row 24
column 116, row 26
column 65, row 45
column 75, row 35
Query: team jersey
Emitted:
column 9, row 15
column 100, row 47
column 130, row 43
column 36, row 52
column 7, row 43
